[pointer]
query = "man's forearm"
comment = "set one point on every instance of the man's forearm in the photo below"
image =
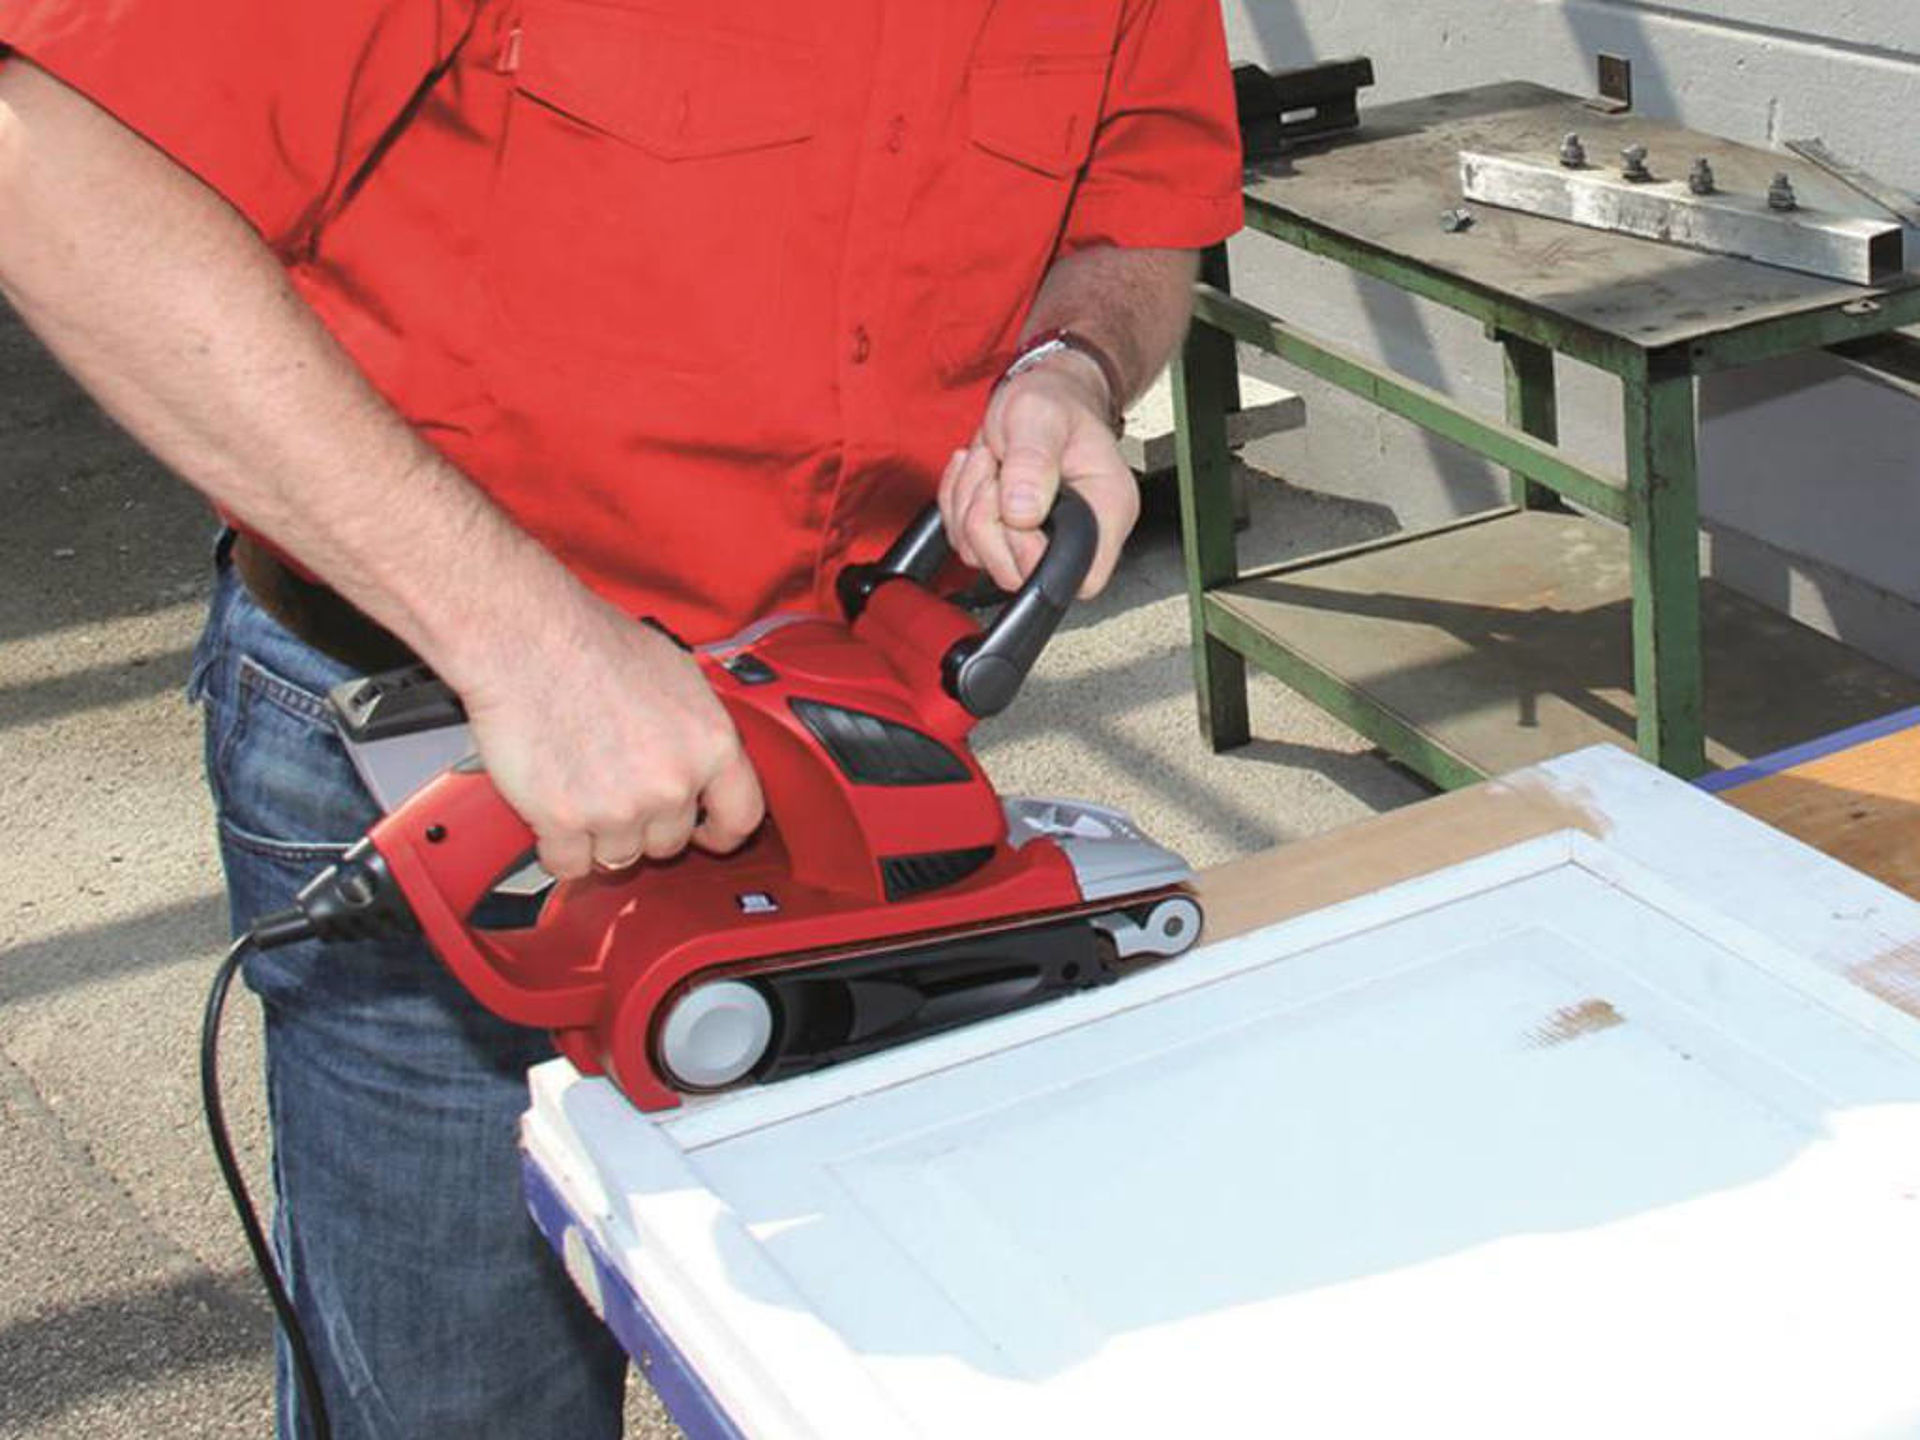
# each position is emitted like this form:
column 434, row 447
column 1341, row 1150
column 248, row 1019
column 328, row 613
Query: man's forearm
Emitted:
column 170, row 310
column 179, row 320
column 1133, row 304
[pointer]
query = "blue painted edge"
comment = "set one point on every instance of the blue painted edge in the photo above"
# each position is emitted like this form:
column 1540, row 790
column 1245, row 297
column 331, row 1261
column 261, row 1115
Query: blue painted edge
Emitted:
column 680, row 1389
column 1812, row 750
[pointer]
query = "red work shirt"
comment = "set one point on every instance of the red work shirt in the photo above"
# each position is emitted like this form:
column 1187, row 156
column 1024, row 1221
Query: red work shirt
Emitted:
column 702, row 296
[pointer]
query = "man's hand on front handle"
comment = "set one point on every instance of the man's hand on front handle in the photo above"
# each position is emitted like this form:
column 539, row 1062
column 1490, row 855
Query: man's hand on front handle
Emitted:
column 612, row 746
column 1043, row 428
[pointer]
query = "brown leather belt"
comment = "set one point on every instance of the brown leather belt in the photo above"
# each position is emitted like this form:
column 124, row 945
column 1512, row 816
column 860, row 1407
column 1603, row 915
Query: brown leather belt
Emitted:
column 317, row 614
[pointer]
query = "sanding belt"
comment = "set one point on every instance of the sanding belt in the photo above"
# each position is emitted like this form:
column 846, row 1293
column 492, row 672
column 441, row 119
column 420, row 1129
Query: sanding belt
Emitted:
column 316, row 613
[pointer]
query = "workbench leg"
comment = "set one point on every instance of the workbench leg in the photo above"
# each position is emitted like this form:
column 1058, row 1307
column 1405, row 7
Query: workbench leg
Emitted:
column 1663, row 517
column 1532, row 406
column 1206, row 381
column 1213, row 271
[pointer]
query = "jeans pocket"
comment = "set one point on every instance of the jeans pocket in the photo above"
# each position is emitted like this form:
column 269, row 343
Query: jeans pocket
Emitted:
column 284, row 787
column 287, row 803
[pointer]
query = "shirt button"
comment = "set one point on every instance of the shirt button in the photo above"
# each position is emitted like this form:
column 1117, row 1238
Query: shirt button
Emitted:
column 862, row 345
column 896, row 134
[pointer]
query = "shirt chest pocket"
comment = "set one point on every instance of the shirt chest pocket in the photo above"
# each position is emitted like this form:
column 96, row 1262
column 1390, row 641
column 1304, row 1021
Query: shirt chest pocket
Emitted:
column 647, row 178
column 1031, row 122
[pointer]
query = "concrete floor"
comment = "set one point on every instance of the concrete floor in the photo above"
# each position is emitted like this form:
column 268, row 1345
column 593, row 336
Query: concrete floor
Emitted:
column 126, row 1305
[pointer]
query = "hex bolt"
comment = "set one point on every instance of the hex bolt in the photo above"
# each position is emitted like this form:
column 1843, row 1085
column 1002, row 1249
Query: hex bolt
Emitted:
column 1780, row 194
column 1573, row 152
column 1635, row 167
column 1700, row 177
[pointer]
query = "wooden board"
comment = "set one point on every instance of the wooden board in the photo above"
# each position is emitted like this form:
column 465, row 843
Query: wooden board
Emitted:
column 1860, row 805
column 1387, row 188
column 1506, row 641
column 1589, row 1134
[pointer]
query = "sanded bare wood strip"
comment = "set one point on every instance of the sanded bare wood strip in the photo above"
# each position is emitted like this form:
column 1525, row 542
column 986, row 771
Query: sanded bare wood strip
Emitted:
column 1385, row 850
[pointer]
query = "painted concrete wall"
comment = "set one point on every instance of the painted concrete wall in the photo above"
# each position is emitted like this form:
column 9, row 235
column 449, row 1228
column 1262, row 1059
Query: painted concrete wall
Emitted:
column 1811, row 483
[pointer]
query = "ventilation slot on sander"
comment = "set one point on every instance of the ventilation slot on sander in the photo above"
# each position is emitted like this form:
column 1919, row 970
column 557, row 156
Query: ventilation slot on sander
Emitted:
column 907, row 875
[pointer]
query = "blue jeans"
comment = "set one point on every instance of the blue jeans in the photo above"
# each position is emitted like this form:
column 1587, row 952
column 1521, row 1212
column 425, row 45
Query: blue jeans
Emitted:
column 431, row 1304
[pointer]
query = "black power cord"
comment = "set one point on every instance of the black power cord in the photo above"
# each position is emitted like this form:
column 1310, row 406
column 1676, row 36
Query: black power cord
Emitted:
column 311, row 1400
column 357, row 899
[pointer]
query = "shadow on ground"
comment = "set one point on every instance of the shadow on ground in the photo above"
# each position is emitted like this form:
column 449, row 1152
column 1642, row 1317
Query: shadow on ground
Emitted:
column 112, row 1344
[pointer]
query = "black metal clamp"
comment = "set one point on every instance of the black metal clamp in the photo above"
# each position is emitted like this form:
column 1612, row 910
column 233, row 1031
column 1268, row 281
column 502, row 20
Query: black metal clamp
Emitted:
column 1282, row 109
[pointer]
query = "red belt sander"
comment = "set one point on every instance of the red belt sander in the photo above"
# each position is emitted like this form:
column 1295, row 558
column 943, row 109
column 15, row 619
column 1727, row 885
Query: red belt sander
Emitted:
column 890, row 894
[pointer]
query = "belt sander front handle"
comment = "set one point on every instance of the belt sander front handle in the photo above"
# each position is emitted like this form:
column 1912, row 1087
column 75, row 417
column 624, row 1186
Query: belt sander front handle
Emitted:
column 985, row 672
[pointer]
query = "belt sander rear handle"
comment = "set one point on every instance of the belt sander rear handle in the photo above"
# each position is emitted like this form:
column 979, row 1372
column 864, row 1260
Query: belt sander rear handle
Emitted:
column 448, row 845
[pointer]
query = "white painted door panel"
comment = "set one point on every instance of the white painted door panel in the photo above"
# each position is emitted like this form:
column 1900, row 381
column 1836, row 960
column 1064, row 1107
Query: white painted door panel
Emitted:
column 1544, row 1144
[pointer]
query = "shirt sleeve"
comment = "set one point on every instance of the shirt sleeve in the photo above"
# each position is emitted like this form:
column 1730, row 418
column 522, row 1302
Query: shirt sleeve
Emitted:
column 1165, row 168
column 274, row 104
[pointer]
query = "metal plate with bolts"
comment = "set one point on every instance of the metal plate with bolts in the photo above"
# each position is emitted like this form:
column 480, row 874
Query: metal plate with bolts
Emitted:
column 1814, row 242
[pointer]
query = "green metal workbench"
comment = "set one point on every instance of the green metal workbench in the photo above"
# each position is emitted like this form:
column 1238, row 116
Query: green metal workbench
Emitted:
column 1497, row 640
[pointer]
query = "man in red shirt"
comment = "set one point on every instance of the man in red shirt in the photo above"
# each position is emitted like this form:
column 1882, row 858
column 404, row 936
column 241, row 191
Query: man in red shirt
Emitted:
column 494, row 324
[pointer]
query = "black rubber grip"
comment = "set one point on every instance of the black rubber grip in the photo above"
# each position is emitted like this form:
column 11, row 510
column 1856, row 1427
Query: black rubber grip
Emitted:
column 986, row 672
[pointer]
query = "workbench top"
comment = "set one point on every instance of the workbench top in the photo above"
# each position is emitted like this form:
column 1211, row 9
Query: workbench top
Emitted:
column 1387, row 186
